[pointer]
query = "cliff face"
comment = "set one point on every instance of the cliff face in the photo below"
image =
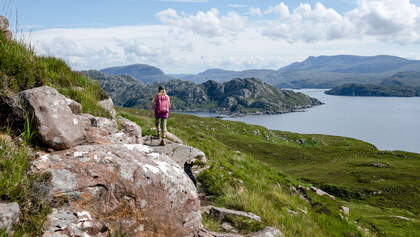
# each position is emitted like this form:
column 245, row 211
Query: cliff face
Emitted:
column 242, row 96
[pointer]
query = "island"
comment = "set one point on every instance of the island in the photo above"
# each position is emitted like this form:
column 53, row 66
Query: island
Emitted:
column 374, row 90
column 236, row 97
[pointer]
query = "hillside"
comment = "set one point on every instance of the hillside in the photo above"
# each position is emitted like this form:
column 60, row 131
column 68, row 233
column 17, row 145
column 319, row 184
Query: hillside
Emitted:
column 268, row 172
column 374, row 90
column 142, row 72
column 238, row 96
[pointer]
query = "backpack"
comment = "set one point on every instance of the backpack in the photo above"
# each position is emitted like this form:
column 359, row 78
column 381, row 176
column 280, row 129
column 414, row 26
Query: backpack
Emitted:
column 162, row 104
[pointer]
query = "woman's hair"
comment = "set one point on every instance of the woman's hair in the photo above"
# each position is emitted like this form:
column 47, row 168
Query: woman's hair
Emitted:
column 161, row 90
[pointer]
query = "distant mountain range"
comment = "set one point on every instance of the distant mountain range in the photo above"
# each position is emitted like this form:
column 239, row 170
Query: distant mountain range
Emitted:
column 237, row 96
column 314, row 72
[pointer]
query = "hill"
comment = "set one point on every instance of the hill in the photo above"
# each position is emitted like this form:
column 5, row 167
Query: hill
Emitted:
column 237, row 96
column 142, row 72
column 374, row 90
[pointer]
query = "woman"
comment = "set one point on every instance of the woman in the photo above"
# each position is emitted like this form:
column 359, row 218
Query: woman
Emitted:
column 162, row 104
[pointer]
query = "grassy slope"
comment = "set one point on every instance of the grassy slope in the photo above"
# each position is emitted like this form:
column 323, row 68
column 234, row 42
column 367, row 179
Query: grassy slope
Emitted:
column 259, row 176
column 21, row 69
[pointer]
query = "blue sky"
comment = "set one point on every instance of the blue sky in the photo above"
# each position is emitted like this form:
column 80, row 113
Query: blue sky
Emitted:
column 188, row 36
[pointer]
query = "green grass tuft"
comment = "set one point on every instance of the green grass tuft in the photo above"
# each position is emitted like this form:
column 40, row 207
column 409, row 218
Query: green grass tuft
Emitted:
column 21, row 69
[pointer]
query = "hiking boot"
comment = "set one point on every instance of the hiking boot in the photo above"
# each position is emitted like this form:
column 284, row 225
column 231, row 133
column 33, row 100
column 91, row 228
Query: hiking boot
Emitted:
column 162, row 143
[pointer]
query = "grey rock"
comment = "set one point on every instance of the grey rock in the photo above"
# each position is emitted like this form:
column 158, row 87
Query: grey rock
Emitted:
column 9, row 215
column 132, row 129
column 55, row 122
column 178, row 152
column 4, row 23
column 128, row 187
column 319, row 192
column 103, row 131
column 75, row 107
column 267, row 232
column 174, row 138
column 226, row 226
column 72, row 222
column 109, row 106
column 221, row 213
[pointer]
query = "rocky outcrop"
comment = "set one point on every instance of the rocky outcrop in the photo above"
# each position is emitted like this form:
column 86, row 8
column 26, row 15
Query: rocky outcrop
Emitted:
column 103, row 131
column 237, row 96
column 9, row 215
column 56, row 124
column 132, row 129
column 4, row 27
column 126, row 187
column 178, row 152
column 109, row 106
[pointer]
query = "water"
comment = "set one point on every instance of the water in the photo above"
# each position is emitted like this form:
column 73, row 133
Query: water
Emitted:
column 389, row 123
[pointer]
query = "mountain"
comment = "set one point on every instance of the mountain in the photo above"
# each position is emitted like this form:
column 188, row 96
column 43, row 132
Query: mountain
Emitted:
column 142, row 72
column 321, row 72
column 314, row 72
column 237, row 96
column 374, row 90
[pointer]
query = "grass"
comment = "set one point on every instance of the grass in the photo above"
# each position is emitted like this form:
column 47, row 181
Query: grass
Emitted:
column 21, row 69
column 255, row 169
column 17, row 186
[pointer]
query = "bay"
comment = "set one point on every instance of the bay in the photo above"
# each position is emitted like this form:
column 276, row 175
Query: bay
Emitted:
column 389, row 123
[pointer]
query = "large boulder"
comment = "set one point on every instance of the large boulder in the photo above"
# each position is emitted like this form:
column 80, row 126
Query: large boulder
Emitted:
column 57, row 126
column 95, row 188
column 103, row 131
column 9, row 215
column 132, row 129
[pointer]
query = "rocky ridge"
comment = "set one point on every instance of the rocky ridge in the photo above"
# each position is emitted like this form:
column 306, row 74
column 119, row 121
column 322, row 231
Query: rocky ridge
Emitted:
column 104, row 178
column 237, row 96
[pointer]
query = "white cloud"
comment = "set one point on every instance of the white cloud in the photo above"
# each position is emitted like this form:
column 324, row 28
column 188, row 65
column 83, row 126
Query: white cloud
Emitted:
column 208, row 24
column 189, row 43
column 281, row 9
column 387, row 20
column 237, row 6
column 255, row 11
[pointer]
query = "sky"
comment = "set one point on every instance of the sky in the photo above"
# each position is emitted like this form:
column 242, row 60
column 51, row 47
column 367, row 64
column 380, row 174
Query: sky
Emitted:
column 190, row 36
